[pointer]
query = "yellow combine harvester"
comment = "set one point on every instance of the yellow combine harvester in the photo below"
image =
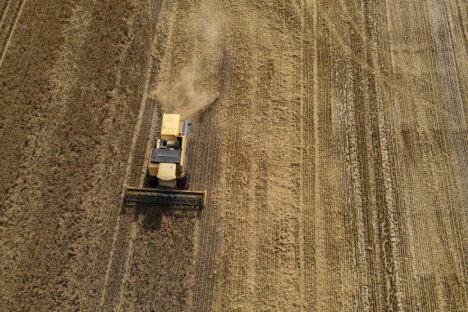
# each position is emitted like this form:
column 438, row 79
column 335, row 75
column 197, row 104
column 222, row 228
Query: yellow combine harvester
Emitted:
column 168, row 178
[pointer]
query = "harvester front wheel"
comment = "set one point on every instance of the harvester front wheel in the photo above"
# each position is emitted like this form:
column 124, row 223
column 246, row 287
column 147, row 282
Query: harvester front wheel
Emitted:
column 183, row 182
column 150, row 181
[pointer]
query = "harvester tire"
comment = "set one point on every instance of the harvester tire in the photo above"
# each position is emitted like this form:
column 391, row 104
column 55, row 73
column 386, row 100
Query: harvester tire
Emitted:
column 183, row 182
column 150, row 181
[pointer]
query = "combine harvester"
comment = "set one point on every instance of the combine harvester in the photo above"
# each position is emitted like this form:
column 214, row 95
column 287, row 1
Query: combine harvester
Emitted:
column 166, row 171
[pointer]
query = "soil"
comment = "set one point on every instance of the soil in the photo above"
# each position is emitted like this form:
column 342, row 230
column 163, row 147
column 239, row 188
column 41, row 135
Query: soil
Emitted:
column 331, row 137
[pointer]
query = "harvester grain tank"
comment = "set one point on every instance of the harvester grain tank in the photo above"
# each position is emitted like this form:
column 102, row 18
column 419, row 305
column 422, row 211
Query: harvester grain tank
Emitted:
column 167, row 174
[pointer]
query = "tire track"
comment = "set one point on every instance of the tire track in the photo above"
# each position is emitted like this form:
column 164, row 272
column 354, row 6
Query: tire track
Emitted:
column 124, row 231
column 310, row 95
column 132, row 175
column 398, row 250
column 4, row 11
column 395, row 298
column 263, row 179
column 299, row 164
column 462, row 17
column 155, row 9
column 4, row 44
column 332, row 246
column 124, row 225
column 376, row 27
column 394, row 81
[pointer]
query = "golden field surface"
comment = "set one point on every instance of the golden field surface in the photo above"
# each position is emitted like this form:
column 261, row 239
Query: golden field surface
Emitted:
column 330, row 135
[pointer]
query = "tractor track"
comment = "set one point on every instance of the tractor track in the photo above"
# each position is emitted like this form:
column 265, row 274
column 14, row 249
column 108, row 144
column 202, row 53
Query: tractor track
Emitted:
column 140, row 154
column 4, row 9
column 124, row 230
column 8, row 24
column 309, row 154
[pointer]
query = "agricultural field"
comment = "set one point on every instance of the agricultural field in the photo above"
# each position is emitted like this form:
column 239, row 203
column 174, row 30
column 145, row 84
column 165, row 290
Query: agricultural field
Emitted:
column 331, row 137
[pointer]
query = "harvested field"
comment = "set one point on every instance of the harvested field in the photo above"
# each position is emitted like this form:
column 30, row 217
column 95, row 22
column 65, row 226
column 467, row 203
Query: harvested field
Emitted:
column 331, row 137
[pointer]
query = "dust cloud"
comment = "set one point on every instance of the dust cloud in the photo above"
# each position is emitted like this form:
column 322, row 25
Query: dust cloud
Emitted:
column 196, row 85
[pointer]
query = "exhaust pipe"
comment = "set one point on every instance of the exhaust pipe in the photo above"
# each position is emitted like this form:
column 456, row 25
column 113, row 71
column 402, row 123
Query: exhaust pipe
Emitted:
column 185, row 127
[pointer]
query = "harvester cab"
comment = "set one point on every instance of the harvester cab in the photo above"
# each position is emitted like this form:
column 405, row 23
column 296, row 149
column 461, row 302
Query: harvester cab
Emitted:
column 168, row 180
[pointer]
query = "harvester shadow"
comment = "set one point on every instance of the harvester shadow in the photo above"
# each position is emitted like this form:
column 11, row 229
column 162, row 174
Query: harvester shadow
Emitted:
column 150, row 216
